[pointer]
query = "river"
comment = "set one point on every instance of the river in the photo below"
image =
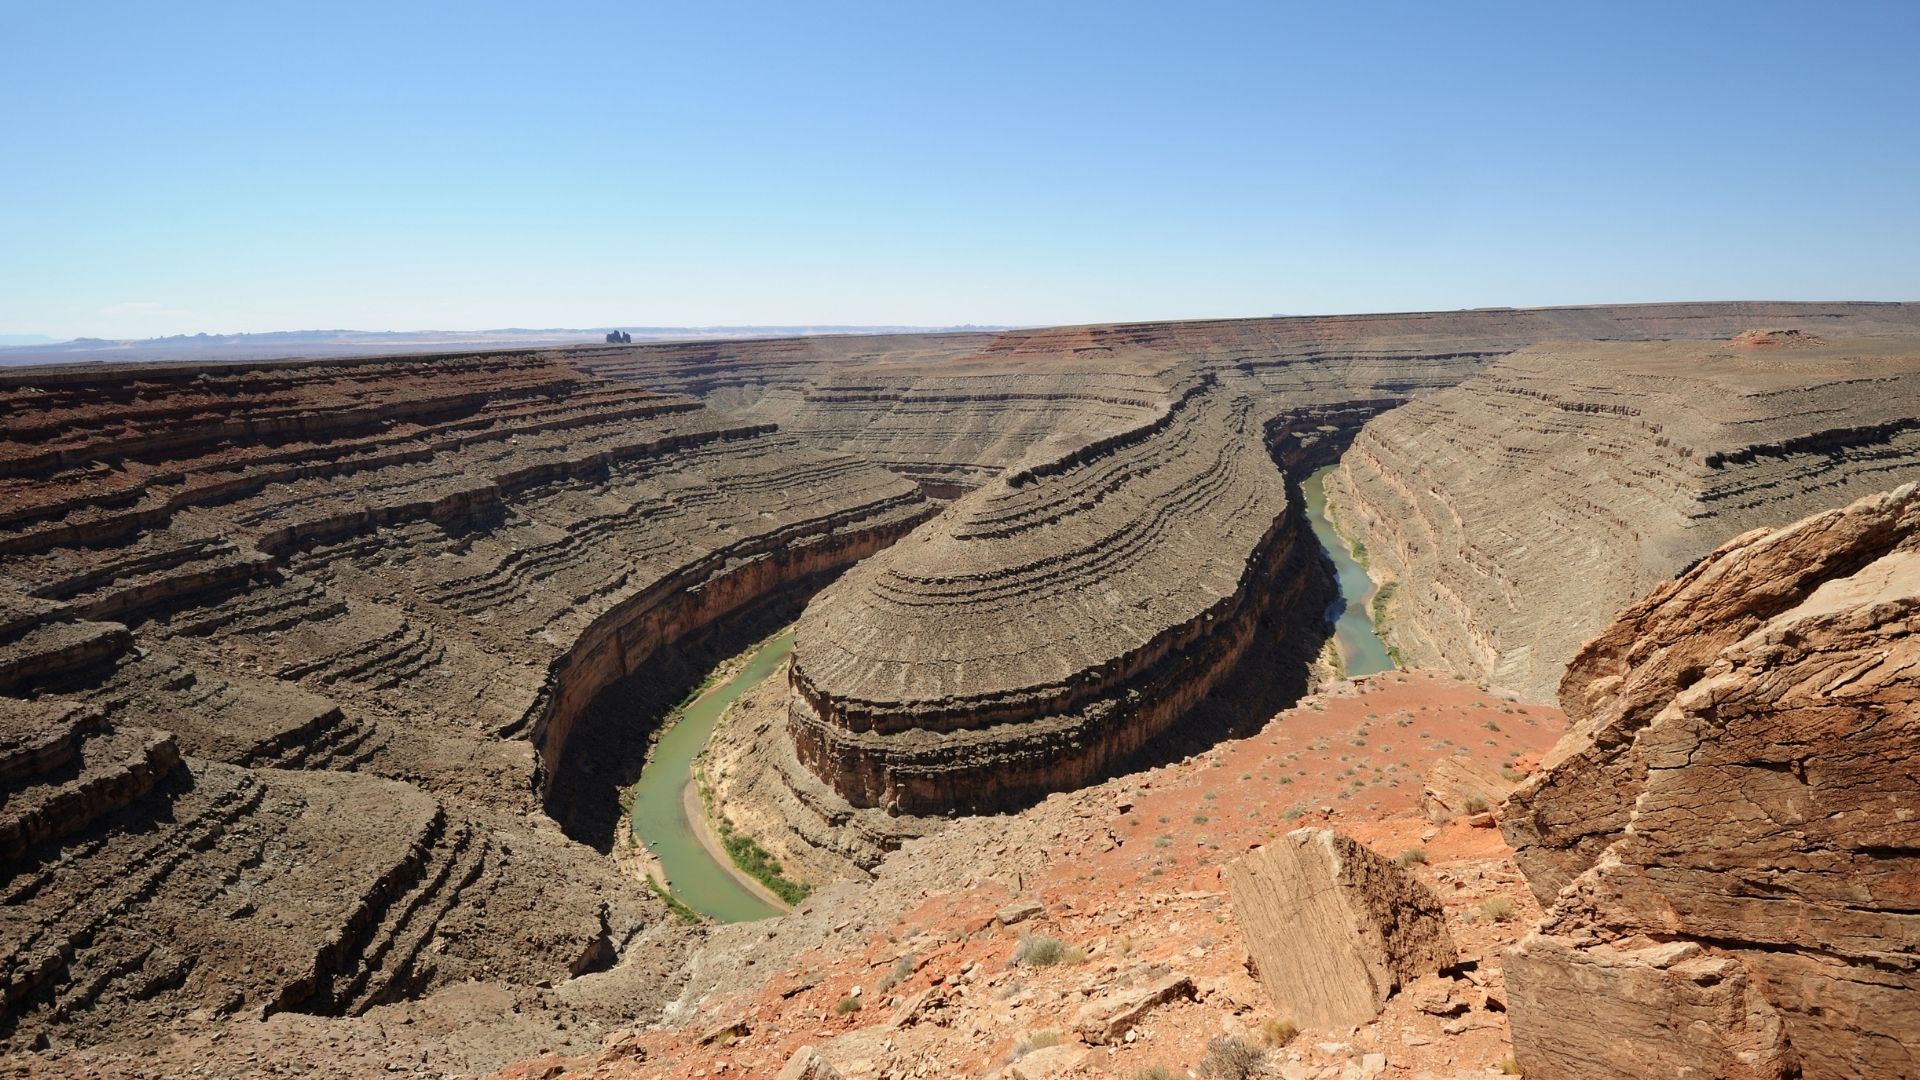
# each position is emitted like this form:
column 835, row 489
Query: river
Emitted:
column 659, row 809
column 1361, row 650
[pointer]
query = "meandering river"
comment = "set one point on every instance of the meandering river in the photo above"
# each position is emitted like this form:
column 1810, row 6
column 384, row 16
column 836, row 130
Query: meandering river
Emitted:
column 1361, row 650
column 696, row 878
column 660, row 808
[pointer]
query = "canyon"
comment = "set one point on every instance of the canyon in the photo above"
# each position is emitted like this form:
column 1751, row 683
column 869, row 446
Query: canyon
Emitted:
column 319, row 680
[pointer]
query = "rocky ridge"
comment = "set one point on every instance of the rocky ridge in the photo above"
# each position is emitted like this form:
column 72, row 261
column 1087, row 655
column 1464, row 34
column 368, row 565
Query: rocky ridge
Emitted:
column 1727, row 834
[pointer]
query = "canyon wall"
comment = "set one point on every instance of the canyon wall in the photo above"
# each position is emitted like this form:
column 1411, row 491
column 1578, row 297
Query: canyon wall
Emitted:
column 1520, row 509
column 1727, row 839
column 292, row 654
column 417, row 569
column 1048, row 625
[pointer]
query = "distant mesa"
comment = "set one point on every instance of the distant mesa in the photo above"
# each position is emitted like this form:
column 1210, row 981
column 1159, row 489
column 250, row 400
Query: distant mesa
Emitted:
column 1775, row 339
column 619, row 337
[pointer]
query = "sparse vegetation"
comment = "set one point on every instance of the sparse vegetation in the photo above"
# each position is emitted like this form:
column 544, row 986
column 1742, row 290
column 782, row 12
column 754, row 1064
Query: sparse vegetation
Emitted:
column 1041, row 950
column 1411, row 857
column 1497, row 908
column 1476, row 805
column 1230, row 1057
column 753, row 860
column 902, row 970
column 759, row 864
column 1276, row 1032
column 848, row 1005
column 1038, row 1040
column 675, row 905
column 1156, row 1072
column 1509, row 1067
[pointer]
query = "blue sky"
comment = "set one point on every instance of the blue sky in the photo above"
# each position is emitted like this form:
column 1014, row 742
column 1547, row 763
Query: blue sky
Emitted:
column 188, row 166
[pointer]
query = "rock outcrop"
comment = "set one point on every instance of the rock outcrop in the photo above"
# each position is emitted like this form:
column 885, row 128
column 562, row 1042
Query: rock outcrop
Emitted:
column 1518, row 510
column 1729, row 834
column 1049, row 625
column 1457, row 785
column 1333, row 928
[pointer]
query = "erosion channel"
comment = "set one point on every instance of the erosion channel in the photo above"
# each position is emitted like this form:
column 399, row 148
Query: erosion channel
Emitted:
column 662, row 800
column 1361, row 650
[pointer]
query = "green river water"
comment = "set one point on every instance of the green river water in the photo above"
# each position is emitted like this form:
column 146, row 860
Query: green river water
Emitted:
column 659, row 810
column 1361, row 650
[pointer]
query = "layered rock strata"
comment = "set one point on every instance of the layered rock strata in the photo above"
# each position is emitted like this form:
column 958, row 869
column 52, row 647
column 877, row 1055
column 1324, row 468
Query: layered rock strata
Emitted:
column 1519, row 509
column 1333, row 928
column 1728, row 835
column 954, row 410
column 417, row 569
column 1048, row 625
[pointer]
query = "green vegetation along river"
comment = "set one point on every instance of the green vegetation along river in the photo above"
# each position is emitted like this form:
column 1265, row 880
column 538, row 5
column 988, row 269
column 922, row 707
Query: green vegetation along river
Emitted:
column 659, row 810
column 1361, row 650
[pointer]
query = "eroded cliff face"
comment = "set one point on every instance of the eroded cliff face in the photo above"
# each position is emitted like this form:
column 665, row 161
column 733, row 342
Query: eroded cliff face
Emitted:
column 1520, row 509
column 1048, row 625
column 417, row 569
column 1729, row 837
column 292, row 655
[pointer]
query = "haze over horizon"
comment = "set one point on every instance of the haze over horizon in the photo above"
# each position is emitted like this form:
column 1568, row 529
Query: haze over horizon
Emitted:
column 257, row 170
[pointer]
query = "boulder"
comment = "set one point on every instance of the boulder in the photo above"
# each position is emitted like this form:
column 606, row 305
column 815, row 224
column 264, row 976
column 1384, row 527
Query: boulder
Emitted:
column 1107, row 1019
column 1458, row 786
column 807, row 1064
column 1752, row 914
column 1048, row 1063
column 1333, row 928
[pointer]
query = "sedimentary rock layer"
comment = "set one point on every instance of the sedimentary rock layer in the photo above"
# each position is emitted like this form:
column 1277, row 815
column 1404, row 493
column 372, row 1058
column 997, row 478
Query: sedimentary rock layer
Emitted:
column 1733, row 819
column 954, row 410
column 1521, row 508
column 1049, row 624
column 418, row 569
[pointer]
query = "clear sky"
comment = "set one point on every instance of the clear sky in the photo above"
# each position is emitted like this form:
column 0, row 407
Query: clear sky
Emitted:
column 190, row 166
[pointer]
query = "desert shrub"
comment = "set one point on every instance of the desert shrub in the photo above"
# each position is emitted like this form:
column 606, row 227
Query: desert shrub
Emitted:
column 848, row 1004
column 1497, row 908
column 1041, row 950
column 1411, row 856
column 1230, row 1057
column 1509, row 1067
column 901, row 972
column 681, row 912
column 1476, row 805
column 1038, row 1040
column 1276, row 1032
column 1156, row 1072
column 759, row 864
